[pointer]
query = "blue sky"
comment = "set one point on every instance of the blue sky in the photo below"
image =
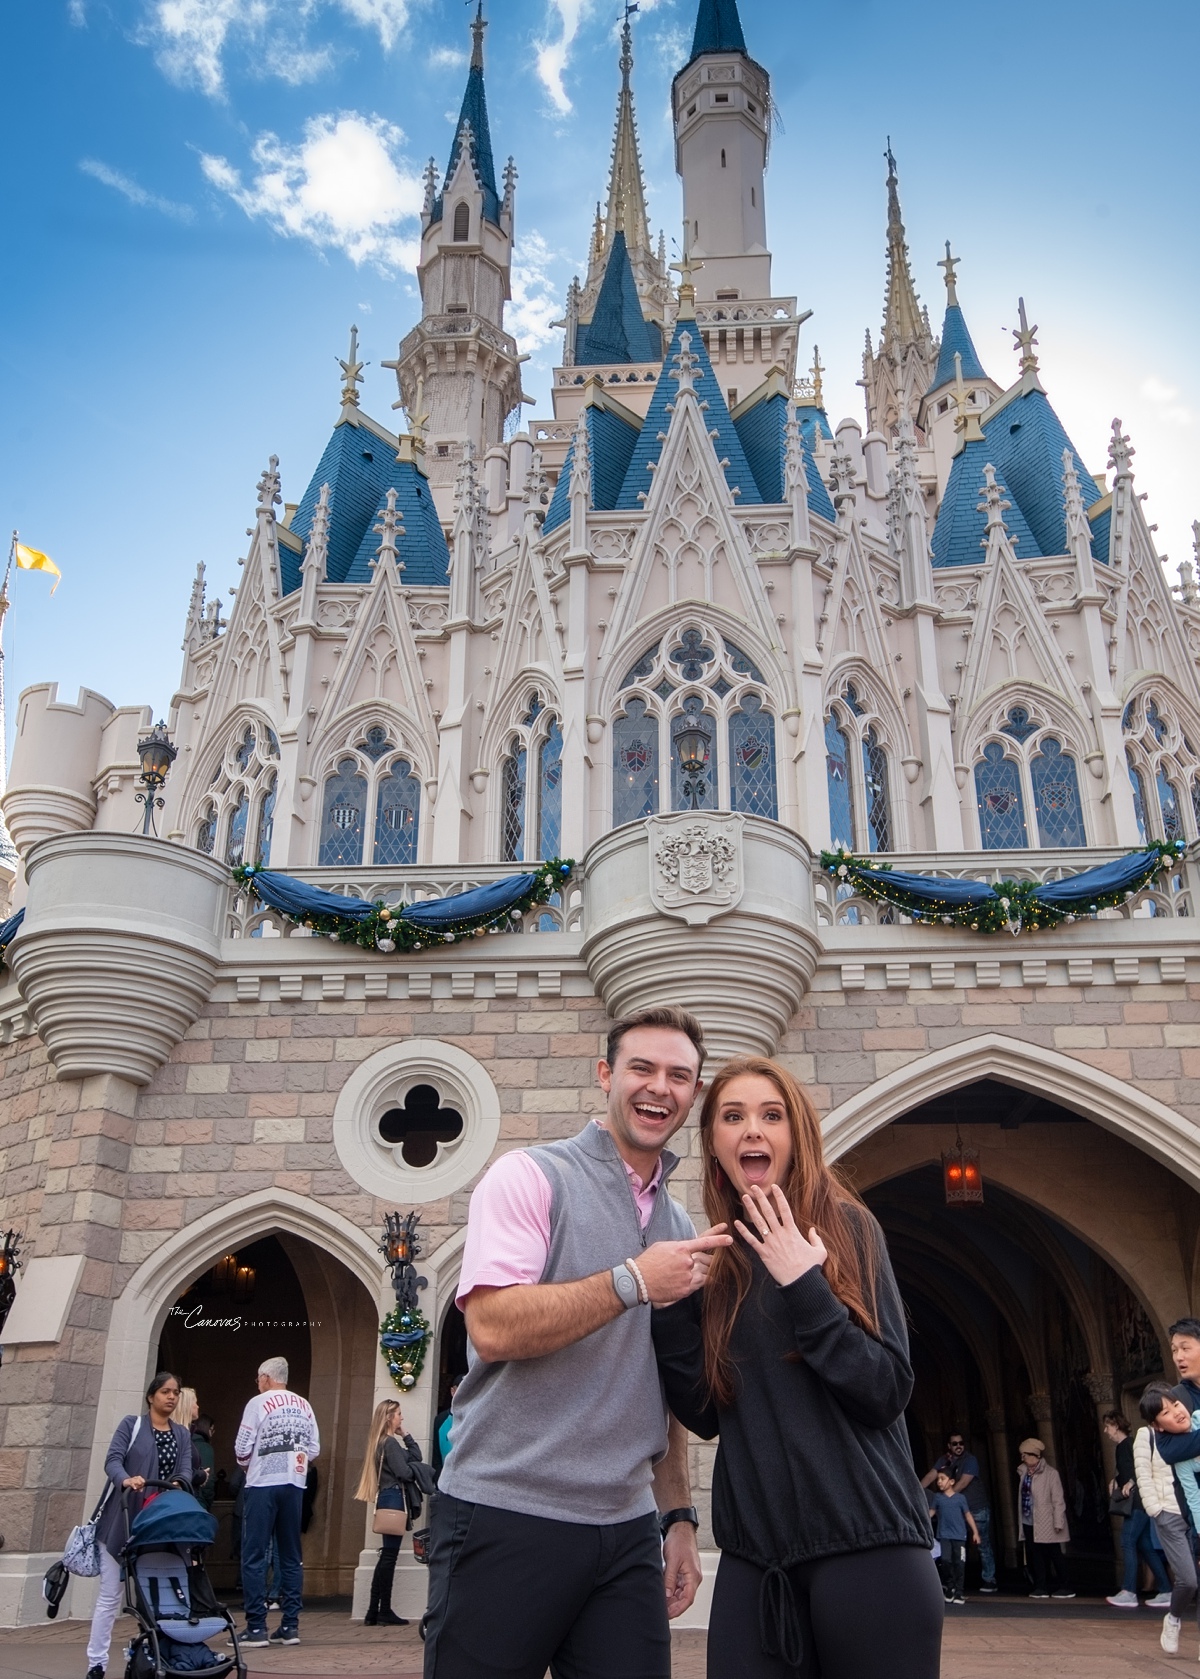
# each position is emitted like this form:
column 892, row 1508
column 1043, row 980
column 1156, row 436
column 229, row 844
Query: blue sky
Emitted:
column 202, row 195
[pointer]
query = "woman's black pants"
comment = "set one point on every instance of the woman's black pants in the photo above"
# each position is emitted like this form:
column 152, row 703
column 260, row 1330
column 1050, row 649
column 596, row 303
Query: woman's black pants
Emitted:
column 866, row 1615
column 1045, row 1560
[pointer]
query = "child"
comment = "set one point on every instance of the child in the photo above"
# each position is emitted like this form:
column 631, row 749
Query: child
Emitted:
column 953, row 1518
column 1166, row 1414
column 1174, row 1417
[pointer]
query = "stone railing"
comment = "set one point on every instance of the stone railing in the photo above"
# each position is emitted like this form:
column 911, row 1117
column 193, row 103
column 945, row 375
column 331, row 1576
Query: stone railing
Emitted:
column 247, row 918
column 747, row 311
column 1175, row 892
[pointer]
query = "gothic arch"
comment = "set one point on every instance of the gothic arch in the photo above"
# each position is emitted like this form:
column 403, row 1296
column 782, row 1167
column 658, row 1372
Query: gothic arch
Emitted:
column 665, row 622
column 340, row 733
column 1052, row 708
column 1111, row 1103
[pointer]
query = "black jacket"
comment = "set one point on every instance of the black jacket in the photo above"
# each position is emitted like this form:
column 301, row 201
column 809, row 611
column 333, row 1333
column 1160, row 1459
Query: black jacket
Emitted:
column 814, row 1458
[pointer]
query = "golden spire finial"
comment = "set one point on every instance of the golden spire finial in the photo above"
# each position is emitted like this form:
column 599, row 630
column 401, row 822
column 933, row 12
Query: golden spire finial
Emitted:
column 950, row 264
column 478, row 25
column 352, row 375
column 685, row 268
column 817, row 370
column 1026, row 338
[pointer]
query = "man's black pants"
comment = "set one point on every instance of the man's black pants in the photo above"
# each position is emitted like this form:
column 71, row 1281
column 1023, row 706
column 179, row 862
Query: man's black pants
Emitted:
column 512, row 1595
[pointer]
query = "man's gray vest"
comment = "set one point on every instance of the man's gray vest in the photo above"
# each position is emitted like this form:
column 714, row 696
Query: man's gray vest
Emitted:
column 573, row 1436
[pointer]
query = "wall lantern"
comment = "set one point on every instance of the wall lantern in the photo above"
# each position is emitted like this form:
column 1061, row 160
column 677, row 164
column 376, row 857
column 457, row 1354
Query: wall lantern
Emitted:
column 961, row 1177
column 692, row 747
column 157, row 755
column 243, row 1283
column 224, row 1273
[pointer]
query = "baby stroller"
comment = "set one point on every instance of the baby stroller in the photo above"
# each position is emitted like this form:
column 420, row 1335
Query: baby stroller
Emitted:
column 168, row 1592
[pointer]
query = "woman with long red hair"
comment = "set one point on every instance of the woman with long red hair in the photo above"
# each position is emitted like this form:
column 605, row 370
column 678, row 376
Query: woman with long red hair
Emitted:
column 796, row 1354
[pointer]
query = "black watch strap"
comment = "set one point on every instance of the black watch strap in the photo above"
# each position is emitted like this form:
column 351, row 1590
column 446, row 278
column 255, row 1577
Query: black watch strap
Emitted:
column 683, row 1514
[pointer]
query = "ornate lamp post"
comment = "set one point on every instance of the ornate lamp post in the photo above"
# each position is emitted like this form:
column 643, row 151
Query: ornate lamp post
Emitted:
column 404, row 1333
column 157, row 755
column 692, row 747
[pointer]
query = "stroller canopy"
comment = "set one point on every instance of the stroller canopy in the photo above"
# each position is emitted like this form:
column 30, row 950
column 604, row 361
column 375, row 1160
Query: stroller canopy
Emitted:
column 173, row 1518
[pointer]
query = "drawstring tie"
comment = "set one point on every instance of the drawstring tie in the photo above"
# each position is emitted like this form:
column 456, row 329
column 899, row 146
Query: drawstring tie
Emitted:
column 778, row 1618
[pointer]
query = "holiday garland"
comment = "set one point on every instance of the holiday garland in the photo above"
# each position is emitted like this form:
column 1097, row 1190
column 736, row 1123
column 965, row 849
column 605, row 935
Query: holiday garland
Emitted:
column 496, row 908
column 8, row 931
column 404, row 1341
column 1014, row 905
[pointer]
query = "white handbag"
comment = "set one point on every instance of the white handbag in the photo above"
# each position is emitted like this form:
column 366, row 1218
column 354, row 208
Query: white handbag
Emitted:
column 81, row 1555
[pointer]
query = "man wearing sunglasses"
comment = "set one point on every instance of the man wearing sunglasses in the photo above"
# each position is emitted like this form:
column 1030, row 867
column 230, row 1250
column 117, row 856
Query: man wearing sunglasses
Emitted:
column 963, row 1466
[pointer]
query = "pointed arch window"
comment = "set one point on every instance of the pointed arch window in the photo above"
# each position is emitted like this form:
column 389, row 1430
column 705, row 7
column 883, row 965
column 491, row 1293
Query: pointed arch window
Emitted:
column 752, row 760
column 635, row 764
column 875, row 782
column 837, row 775
column 550, row 767
column 397, row 815
column 697, row 732
column 1056, row 795
column 206, row 832
column 512, row 814
column 230, row 820
column 1000, row 801
column 235, row 845
column 1162, row 763
column 462, row 222
column 343, row 816
column 266, row 821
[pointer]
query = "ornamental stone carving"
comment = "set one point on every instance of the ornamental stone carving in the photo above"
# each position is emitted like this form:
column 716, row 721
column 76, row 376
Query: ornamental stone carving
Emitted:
column 696, row 865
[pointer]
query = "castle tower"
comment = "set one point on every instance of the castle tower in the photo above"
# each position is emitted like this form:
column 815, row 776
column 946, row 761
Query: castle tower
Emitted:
column 721, row 101
column 897, row 375
column 457, row 369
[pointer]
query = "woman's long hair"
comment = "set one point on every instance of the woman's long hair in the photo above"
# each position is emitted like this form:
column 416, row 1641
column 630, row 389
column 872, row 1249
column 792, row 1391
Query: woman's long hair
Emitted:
column 187, row 1408
column 367, row 1489
column 818, row 1197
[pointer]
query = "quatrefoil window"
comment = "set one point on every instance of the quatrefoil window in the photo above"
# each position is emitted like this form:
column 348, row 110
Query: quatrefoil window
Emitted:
column 420, row 1126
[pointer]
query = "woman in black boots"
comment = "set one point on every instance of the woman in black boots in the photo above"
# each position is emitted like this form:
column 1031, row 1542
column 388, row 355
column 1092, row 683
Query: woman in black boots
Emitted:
column 386, row 1478
column 795, row 1353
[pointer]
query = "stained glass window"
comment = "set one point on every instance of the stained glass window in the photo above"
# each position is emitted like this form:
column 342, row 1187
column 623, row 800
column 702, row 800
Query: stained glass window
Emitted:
column 245, row 750
column 397, row 812
column 376, row 743
column 635, row 764
column 1168, row 804
column 342, row 816
column 1056, row 796
column 512, row 810
column 1139, row 798
column 206, row 833
column 695, row 791
column 1155, row 722
column 742, row 664
column 535, row 707
column 875, row 781
column 1019, row 724
column 1196, row 799
column 550, row 793
column 266, row 821
column 643, row 667
column 235, row 847
column 850, row 695
column 837, row 771
column 692, row 655
column 752, row 760
column 272, row 743
column 998, row 795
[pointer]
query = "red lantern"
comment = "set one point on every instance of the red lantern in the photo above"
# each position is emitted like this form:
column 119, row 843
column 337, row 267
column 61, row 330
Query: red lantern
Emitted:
column 961, row 1176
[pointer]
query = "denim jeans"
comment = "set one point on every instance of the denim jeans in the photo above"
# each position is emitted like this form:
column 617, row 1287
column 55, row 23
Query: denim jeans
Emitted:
column 271, row 1512
column 987, row 1561
column 1136, row 1538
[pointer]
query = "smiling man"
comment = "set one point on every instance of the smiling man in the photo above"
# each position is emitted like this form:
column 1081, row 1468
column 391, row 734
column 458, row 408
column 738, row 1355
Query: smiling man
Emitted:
column 547, row 1552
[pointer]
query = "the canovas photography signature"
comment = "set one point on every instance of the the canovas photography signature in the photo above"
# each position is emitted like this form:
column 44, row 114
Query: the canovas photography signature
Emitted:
column 193, row 1317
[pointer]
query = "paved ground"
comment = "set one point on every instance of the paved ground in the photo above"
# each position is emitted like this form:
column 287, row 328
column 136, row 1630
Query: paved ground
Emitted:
column 994, row 1639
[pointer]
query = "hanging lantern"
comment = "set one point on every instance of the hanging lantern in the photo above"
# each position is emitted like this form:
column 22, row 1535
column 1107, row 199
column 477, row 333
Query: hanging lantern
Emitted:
column 961, row 1176
column 243, row 1283
column 224, row 1272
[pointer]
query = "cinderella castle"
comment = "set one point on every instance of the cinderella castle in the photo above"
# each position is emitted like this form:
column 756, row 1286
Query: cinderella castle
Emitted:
column 689, row 630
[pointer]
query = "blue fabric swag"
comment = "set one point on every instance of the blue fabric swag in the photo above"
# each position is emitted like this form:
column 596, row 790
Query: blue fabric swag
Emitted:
column 298, row 900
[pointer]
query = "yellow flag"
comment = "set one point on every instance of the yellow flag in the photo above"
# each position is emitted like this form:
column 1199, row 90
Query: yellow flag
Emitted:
column 29, row 559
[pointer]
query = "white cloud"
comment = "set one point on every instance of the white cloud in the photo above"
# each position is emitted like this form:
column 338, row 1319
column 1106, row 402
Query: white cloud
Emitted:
column 345, row 187
column 536, row 299
column 192, row 38
column 554, row 56
column 1166, row 399
column 77, row 13
column 447, row 58
column 130, row 189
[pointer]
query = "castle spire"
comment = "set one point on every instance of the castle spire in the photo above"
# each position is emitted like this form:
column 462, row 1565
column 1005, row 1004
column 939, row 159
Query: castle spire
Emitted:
column 473, row 129
column 897, row 376
column 718, row 28
column 903, row 323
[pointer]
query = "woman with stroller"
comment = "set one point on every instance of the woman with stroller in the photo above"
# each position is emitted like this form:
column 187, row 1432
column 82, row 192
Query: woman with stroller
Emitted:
column 149, row 1447
column 795, row 1352
column 388, row 1482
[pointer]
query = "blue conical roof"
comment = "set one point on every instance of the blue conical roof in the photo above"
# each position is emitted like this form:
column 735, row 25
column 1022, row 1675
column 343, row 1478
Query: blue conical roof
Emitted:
column 955, row 337
column 959, row 536
column 474, row 110
column 727, row 443
column 718, row 28
column 616, row 332
column 1026, row 439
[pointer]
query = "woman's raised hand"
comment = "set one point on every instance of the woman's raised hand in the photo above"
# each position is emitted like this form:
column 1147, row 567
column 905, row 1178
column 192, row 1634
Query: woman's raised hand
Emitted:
column 786, row 1254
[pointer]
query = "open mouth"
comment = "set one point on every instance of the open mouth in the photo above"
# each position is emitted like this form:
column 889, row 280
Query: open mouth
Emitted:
column 756, row 1165
column 651, row 1113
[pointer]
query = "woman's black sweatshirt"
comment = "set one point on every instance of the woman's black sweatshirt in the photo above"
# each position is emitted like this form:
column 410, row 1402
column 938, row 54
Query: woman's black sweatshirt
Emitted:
column 814, row 1457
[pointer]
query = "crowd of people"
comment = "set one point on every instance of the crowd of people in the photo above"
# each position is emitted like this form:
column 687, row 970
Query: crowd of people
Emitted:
column 563, row 1535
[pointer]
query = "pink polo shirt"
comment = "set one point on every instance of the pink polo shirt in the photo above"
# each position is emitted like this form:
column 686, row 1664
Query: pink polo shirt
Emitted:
column 508, row 1225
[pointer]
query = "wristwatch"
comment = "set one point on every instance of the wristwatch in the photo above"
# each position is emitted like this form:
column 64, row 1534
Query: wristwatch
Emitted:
column 687, row 1514
column 626, row 1286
